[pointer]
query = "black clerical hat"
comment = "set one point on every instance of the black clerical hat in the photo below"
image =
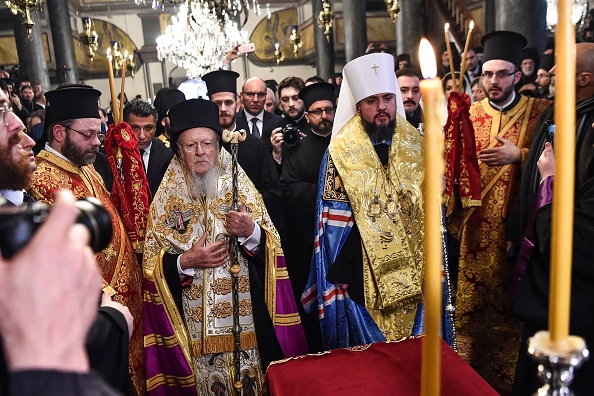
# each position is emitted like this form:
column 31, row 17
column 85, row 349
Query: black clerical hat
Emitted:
column 403, row 57
column 164, row 100
column 70, row 102
column 503, row 45
column 221, row 81
column 547, row 61
column 193, row 113
column 314, row 92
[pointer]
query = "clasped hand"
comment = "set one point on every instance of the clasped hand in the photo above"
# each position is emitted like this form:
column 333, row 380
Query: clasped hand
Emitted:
column 505, row 154
column 203, row 255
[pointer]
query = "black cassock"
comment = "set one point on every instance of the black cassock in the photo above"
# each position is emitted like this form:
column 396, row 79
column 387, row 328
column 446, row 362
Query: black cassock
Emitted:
column 300, row 174
column 531, row 303
column 107, row 347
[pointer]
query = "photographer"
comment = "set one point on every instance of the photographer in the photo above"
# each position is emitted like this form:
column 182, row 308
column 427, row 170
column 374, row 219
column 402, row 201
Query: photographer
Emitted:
column 47, row 309
column 280, row 137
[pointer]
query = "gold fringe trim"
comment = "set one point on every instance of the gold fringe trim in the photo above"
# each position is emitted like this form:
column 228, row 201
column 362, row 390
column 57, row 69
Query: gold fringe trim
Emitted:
column 224, row 343
column 282, row 273
column 154, row 298
column 287, row 319
column 157, row 339
column 467, row 202
column 168, row 380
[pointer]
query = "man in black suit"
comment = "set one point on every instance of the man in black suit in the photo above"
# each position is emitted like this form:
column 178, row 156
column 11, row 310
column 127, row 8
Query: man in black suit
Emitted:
column 253, row 98
column 142, row 117
column 253, row 155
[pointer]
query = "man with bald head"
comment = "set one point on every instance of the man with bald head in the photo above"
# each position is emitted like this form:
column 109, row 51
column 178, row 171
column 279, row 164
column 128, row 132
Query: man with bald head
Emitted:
column 531, row 302
column 253, row 118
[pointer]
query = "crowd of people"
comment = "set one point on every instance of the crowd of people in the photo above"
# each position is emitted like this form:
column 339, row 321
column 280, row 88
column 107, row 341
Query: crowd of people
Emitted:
column 323, row 247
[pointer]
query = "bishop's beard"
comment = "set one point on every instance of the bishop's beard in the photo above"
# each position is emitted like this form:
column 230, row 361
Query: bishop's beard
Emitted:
column 206, row 184
column 379, row 133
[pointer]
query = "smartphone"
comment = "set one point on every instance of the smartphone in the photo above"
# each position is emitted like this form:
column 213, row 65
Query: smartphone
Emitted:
column 246, row 48
column 550, row 133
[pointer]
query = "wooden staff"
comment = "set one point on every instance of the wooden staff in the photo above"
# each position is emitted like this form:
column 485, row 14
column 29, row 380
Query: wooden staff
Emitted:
column 234, row 137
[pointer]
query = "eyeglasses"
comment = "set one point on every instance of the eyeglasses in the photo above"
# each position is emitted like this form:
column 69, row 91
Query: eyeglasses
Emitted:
column 250, row 95
column 87, row 136
column 318, row 112
column 5, row 108
column 500, row 74
column 206, row 145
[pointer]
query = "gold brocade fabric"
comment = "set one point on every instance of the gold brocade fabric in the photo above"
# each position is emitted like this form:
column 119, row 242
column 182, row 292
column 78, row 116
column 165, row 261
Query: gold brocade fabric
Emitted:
column 387, row 205
column 488, row 335
column 178, row 218
column 117, row 262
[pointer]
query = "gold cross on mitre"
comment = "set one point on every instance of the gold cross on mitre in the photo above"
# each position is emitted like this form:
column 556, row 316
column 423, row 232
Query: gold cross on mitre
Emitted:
column 375, row 67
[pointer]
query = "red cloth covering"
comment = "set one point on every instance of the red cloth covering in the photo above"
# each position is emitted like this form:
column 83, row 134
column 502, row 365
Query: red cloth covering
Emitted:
column 381, row 368
column 132, row 194
column 460, row 154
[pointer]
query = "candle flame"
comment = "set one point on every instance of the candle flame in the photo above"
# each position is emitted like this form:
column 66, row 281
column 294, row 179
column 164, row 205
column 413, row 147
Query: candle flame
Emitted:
column 446, row 27
column 108, row 54
column 427, row 59
column 126, row 54
column 276, row 45
column 471, row 25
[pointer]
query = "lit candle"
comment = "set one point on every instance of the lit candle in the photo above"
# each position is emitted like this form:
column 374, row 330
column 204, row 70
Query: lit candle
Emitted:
column 112, row 88
column 463, row 66
column 434, row 169
column 123, row 85
column 446, row 32
column 563, row 193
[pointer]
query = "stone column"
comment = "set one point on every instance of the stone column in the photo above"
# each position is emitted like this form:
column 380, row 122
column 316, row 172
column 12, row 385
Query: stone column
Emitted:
column 355, row 29
column 528, row 17
column 324, row 49
column 59, row 18
column 31, row 52
column 489, row 16
column 410, row 27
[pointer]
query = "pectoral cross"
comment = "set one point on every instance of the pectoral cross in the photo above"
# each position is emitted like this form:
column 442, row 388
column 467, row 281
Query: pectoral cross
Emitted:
column 375, row 67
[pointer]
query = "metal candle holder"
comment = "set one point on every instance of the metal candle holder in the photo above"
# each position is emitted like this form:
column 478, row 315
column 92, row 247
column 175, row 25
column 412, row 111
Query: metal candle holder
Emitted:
column 555, row 366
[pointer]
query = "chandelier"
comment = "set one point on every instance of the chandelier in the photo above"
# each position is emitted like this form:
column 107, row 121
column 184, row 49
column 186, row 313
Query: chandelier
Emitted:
column 197, row 40
column 578, row 12
column 24, row 8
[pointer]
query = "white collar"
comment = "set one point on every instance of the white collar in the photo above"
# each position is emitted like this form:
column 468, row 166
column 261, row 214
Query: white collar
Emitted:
column 53, row 151
column 14, row 196
column 260, row 116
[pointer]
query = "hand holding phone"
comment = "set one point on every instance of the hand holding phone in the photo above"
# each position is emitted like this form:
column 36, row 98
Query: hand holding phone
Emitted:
column 246, row 48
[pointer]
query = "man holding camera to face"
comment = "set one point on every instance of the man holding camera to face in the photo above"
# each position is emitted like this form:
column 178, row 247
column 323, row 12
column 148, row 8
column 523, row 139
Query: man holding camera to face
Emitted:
column 287, row 132
column 107, row 342
column 73, row 125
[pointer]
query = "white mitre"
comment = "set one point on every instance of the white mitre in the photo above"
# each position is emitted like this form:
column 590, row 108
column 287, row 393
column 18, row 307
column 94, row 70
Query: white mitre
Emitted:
column 362, row 77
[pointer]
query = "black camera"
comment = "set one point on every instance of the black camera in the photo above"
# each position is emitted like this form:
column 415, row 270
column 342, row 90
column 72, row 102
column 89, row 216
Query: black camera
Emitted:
column 290, row 134
column 19, row 223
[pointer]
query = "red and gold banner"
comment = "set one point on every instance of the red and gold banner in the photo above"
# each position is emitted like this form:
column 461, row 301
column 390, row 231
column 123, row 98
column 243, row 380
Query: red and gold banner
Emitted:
column 460, row 154
column 130, row 192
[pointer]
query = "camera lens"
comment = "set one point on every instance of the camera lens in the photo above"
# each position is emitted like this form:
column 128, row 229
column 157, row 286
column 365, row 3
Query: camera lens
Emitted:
column 19, row 223
column 93, row 215
column 290, row 134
